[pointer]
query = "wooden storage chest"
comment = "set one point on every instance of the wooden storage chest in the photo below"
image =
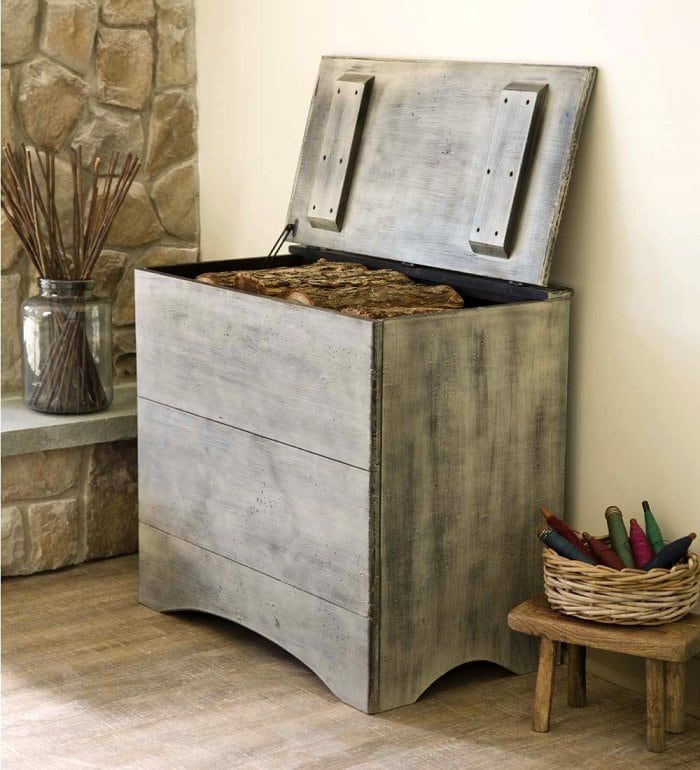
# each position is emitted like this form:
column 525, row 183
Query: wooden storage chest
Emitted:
column 363, row 492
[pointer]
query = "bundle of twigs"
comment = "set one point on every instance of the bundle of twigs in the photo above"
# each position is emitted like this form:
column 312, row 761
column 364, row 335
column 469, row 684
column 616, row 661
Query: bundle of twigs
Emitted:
column 69, row 381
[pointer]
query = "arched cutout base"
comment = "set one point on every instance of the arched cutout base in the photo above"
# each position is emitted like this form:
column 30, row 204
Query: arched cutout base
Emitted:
column 338, row 645
column 333, row 642
column 516, row 654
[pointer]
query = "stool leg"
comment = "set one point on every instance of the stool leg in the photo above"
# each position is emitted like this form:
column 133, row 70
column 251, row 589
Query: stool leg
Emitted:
column 675, row 697
column 656, row 737
column 544, row 686
column 576, row 675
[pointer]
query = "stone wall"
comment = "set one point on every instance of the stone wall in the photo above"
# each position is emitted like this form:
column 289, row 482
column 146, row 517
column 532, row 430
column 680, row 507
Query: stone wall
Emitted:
column 66, row 506
column 109, row 75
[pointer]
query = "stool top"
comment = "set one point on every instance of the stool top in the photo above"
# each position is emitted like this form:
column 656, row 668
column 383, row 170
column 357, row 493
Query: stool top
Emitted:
column 675, row 642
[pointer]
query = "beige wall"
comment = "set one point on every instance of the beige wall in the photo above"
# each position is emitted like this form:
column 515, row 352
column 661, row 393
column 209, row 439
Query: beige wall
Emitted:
column 629, row 243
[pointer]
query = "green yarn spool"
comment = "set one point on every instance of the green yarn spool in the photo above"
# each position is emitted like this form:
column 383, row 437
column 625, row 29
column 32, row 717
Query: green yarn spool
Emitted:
column 618, row 536
column 653, row 532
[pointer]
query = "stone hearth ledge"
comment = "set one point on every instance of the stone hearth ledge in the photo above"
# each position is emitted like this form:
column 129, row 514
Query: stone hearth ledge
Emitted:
column 24, row 431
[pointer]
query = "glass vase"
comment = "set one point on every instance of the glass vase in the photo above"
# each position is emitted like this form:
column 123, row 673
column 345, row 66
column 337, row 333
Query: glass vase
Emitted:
column 67, row 346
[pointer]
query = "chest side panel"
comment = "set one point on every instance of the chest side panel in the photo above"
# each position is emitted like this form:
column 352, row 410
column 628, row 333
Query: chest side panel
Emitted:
column 295, row 516
column 293, row 374
column 473, row 442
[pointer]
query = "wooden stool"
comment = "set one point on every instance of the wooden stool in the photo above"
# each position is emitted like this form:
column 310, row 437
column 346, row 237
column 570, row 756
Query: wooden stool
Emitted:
column 666, row 649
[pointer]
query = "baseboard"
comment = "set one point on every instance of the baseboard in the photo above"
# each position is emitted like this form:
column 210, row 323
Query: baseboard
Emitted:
column 628, row 672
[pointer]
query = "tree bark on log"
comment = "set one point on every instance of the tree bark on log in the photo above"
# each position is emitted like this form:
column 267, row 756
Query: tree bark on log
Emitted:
column 391, row 312
column 322, row 275
column 377, row 296
column 343, row 286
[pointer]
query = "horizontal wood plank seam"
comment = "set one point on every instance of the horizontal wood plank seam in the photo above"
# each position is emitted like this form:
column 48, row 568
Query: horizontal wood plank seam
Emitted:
column 260, row 572
column 257, row 435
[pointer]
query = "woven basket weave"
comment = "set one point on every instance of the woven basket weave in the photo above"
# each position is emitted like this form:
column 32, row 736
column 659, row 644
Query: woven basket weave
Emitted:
column 630, row 597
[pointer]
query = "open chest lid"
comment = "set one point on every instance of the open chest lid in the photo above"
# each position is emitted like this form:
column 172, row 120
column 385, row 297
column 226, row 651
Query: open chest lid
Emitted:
column 456, row 165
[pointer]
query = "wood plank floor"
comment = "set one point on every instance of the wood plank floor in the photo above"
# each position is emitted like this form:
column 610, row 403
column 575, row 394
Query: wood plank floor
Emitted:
column 91, row 679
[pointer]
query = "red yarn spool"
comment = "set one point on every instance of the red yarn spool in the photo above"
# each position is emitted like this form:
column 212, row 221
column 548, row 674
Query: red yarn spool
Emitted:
column 560, row 526
column 642, row 551
column 602, row 553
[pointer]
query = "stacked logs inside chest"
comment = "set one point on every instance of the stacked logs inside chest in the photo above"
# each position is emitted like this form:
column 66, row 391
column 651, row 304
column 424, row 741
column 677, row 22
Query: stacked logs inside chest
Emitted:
column 346, row 287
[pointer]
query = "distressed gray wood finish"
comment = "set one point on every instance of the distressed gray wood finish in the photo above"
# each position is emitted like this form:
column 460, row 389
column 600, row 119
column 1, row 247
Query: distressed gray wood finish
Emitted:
column 427, row 551
column 299, row 375
column 424, row 146
column 333, row 642
column 507, row 168
column 338, row 151
column 295, row 516
column 473, row 442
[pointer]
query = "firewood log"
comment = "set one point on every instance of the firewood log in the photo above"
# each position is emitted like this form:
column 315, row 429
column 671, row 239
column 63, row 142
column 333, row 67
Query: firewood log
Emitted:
column 278, row 282
column 391, row 312
column 347, row 287
column 408, row 295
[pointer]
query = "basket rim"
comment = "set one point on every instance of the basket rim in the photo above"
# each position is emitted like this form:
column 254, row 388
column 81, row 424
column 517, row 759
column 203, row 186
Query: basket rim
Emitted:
column 691, row 566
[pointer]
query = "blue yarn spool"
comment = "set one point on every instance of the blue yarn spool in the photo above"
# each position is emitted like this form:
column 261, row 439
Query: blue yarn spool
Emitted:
column 562, row 546
column 672, row 553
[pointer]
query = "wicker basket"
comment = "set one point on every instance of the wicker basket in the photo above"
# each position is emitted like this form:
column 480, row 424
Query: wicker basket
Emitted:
column 630, row 597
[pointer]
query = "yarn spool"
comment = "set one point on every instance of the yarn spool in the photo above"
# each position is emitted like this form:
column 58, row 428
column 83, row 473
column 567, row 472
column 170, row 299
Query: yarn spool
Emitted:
column 561, row 545
column 560, row 526
column 653, row 532
column 671, row 553
column 641, row 547
column 602, row 554
column 618, row 535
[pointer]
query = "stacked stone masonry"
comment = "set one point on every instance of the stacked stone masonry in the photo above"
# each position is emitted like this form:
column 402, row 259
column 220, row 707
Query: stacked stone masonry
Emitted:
column 110, row 75
column 67, row 506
